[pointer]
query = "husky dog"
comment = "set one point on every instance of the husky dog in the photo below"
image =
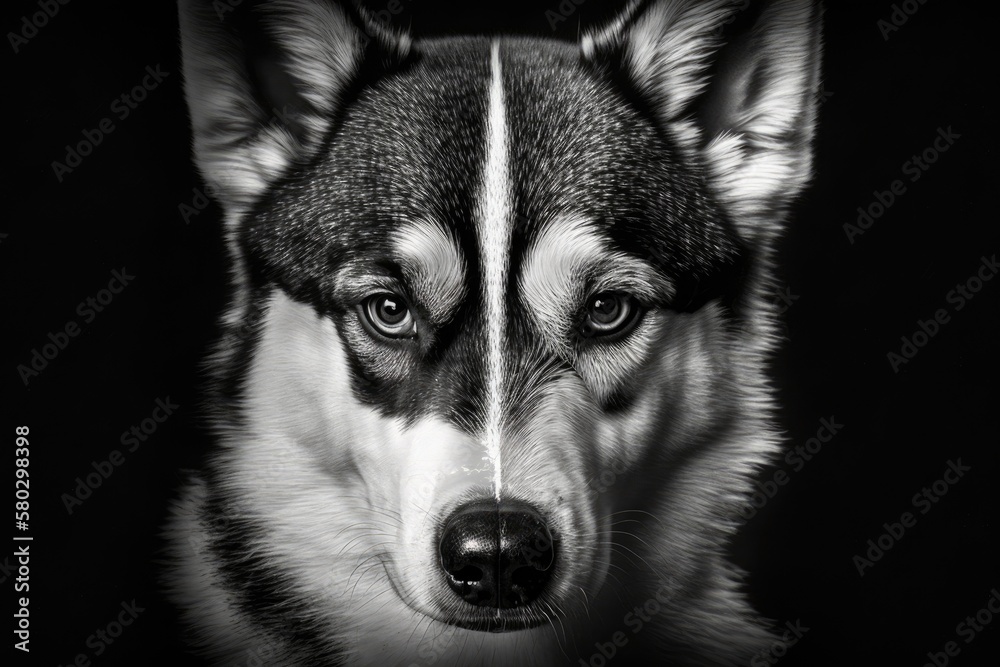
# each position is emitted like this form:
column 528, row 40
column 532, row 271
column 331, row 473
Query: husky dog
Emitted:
column 490, row 389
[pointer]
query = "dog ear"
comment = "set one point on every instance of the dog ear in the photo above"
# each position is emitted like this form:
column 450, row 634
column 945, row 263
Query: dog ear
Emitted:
column 264, row 82
column 734, row 84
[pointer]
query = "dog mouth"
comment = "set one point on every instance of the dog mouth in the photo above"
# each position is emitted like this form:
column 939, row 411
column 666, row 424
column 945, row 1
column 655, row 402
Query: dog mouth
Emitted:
column 477, row 619
column 489, row 604
column 500, row 624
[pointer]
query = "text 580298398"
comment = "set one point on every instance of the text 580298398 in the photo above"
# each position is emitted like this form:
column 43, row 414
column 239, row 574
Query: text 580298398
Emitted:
column 21, row 517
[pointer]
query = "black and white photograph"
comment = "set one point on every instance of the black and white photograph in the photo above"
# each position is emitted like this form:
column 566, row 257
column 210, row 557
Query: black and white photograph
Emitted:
column 425, row 333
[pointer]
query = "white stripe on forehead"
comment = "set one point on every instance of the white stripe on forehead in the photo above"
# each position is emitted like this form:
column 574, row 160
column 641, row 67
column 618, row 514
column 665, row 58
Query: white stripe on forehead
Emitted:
column 493, row 224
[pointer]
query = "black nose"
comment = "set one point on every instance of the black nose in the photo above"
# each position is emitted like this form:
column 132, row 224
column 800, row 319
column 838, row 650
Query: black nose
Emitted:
column 497, row 554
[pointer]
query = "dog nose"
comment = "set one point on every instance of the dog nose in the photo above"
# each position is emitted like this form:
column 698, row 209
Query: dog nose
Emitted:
column 497, row 554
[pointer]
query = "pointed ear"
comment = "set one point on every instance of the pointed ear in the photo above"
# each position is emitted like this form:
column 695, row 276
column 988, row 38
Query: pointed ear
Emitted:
column 263, row 85
column 734, row 84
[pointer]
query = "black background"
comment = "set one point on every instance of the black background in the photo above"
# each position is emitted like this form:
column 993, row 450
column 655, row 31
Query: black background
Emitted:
column 884, row 101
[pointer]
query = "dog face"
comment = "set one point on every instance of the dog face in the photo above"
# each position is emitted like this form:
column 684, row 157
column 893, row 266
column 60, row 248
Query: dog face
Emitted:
column 506, row 322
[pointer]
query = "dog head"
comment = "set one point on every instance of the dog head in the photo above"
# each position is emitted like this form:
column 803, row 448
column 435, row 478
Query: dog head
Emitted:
column 505, row 304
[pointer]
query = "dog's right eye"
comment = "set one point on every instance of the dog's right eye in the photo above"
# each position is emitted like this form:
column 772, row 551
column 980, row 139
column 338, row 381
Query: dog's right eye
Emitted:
column 388, row 315
column 610, row 315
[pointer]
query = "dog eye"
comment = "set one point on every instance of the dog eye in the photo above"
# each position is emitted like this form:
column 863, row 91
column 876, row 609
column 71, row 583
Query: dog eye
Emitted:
column 389, row 315
column 610, row 313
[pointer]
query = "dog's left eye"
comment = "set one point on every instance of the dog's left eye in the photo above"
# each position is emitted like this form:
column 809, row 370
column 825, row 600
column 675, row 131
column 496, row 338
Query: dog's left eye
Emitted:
column 389, row 315
column 610, row 313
